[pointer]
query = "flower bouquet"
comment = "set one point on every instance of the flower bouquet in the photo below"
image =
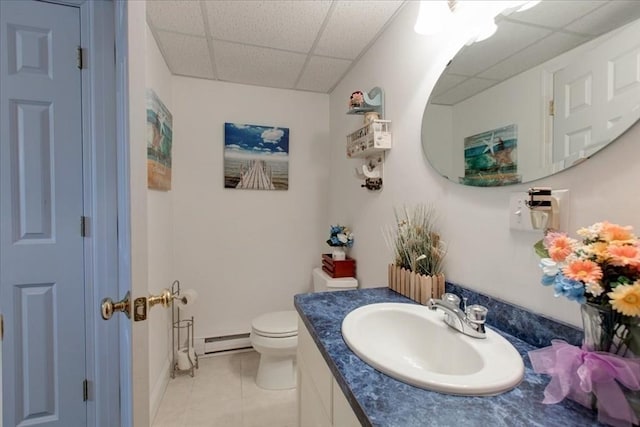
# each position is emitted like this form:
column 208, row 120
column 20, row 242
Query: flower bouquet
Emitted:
column 602, row 273
column 340, row 237
column 418, row 254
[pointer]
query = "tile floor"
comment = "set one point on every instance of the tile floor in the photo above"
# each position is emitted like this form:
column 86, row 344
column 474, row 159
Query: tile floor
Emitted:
column 223, row 393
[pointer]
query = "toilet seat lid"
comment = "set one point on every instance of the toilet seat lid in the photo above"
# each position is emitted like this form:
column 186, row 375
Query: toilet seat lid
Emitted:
column 277, row 324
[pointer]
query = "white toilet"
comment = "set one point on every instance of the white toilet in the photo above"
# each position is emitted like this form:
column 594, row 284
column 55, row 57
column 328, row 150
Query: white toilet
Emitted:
column 275, row 336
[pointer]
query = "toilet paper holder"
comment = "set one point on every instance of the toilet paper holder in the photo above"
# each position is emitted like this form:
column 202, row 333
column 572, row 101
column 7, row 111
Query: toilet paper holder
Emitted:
column 182, row 337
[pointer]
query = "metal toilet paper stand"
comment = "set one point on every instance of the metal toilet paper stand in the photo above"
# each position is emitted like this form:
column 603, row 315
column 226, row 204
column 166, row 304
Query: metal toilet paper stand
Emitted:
column 182, row 332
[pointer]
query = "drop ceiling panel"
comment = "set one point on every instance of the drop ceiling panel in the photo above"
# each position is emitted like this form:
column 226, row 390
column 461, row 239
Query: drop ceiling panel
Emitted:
column 606, row 18
column 287, row 25
column 322, row 73
column 506, row 41
column 446, row 82
column 556, row 13
column 353, row 25
column 185, row 55
column 257, row 65
column 463, row 91
column 540, row 52
column 179, row 16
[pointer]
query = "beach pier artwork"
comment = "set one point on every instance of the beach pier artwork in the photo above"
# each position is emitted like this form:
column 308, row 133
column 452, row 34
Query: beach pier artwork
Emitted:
column 257, row 177
column 256, row 157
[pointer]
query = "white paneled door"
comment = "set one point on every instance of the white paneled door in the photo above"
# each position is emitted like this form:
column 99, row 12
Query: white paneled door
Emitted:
column 42, row 280
column 598, row 96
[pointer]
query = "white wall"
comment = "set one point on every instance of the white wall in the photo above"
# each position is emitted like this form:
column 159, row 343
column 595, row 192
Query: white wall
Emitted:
column 159, row 242
column 136, row 48
column 246, row 252
column 483, row 253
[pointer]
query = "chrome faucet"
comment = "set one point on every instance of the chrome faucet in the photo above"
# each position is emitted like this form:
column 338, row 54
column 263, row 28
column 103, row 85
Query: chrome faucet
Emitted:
column 468, row 320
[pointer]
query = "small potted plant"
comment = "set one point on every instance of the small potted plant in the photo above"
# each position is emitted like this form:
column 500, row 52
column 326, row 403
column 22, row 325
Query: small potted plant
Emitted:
column 340, row 237
column 417, row 269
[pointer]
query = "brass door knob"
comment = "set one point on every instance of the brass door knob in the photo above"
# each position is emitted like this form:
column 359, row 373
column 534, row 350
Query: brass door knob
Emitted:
column 108, row 307
column 163, row 298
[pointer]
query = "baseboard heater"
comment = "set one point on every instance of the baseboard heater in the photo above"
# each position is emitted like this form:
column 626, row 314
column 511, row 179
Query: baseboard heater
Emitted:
column 226, row 343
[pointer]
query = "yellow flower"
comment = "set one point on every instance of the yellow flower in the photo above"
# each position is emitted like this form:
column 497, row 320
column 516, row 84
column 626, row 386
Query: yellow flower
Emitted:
column 626, row 299
column 598, row 249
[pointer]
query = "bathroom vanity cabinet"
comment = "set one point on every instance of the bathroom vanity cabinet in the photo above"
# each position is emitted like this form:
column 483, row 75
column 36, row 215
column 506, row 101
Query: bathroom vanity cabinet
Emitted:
column 336, row 388
column 321, row 403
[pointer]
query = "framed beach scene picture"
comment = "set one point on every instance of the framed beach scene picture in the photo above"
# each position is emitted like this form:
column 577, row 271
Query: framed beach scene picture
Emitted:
column 256, row 157
column 491, row 158
column 159, row 143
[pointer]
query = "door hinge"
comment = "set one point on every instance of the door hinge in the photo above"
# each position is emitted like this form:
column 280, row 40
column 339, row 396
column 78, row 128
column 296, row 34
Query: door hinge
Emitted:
column 80, row 57
column 552, row 108
column 84, row 226
column 1, row 327
column 85, row 390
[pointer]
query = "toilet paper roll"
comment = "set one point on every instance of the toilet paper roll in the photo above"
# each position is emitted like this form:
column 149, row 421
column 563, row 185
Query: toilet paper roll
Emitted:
column 186, row 298
column 183, row 359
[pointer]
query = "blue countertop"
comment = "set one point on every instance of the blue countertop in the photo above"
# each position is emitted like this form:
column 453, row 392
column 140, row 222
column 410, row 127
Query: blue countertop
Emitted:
column 379, row 400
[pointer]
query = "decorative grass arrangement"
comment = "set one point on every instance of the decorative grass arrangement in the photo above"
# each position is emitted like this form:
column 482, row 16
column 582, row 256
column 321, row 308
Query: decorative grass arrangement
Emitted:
column 418, row 254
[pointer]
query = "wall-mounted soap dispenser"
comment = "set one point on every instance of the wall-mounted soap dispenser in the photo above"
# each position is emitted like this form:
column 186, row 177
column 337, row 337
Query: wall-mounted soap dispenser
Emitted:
column 540, row 209
column 544, row 209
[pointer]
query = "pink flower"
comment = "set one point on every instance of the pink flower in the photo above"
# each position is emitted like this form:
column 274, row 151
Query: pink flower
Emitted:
column 551, row 236
column 621, row 255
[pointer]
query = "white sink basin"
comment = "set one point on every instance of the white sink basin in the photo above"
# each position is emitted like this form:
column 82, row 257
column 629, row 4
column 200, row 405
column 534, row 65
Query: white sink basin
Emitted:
column 413, row 344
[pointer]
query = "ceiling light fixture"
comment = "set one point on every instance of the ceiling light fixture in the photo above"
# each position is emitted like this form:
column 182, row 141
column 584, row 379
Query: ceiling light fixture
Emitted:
column 477, row 18
column 433, row 16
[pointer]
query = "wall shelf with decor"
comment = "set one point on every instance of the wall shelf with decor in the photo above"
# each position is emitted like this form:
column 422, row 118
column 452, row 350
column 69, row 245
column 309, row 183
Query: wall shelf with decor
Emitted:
column 373, row 138
column 370, row 141
column 372, row 101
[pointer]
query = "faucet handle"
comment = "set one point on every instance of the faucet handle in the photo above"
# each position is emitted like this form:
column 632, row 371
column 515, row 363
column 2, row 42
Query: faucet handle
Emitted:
column 477, row 313
column 452, row 299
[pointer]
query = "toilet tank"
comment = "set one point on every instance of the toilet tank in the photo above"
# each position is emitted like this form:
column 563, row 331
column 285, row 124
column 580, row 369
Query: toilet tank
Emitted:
column 322, row 282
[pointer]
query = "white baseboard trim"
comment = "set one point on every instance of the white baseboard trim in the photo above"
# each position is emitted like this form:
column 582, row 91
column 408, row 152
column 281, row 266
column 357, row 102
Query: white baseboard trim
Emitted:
column 157, row 392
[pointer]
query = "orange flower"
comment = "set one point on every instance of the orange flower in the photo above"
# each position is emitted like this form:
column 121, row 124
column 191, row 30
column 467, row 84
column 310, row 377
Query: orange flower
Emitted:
column 560, row 248
column 583, row 270
column 616, row 233
column 626, row 299
column 622, row 255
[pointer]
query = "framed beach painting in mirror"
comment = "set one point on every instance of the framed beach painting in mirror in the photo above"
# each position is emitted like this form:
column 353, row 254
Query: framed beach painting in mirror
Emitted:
column 256, row 157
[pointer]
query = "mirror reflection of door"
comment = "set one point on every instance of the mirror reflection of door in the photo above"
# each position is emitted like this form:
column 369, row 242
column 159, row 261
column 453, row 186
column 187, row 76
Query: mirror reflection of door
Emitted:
column 597, row 97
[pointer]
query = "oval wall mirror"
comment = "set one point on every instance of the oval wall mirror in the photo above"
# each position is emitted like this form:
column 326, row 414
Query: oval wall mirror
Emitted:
column 554, row 85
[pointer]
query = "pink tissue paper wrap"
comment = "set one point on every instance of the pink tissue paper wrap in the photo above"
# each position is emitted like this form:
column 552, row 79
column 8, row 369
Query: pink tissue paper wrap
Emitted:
column 577, row 373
